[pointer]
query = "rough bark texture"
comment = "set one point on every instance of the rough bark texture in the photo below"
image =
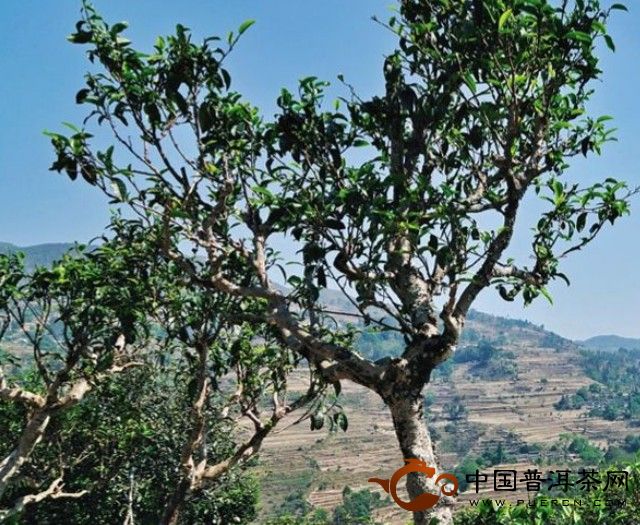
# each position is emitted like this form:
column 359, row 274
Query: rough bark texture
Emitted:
column 43, row 408
column 30, row 437
column 414, row 440
column 191, row 470
column 54, row 491
column 176, row 501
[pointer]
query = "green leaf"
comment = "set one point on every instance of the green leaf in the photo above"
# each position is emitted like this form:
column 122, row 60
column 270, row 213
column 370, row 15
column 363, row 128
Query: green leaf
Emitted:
column 245, row 25
column 119, row 27
column 119, row 188
column 558, row 188
column 609, row 41
column 337, row 386
column 82, row 95
column 505, row 294
column 181, row 102
column 81, row 37
column 205, row 118
column 89, row 174
column 546, row 294
column 579, row 36
column 334, row 224
column 475, row 137
column 226, row 78
column 433, row 243
column 261, row 190
column 153, row 113
column 72, row 127
column 503, row 18
column 317, row 421
column 360, row 143
column 581, row 221
column 342, row 421
column 584, row 146
column 470, row 81
column 619, row 7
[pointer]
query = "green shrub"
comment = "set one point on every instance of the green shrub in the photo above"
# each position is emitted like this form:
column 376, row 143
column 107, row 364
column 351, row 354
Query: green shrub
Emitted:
column 357, row 507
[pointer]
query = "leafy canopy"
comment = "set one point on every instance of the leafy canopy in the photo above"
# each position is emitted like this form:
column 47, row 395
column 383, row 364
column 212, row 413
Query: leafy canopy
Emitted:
column 407, row 201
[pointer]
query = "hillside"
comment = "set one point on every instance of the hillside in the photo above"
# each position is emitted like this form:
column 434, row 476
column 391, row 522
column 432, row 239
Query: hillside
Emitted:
column 611, row 343
column 497, row 404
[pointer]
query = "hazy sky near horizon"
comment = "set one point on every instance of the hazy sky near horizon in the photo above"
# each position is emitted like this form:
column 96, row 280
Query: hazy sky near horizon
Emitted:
column 41, row 72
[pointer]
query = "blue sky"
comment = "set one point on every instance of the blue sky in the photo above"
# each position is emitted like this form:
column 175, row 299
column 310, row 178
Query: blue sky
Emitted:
column 41, row 73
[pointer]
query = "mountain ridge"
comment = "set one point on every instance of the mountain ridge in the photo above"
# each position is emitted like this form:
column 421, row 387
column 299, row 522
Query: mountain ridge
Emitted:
column 38, row 254
column 610, row 343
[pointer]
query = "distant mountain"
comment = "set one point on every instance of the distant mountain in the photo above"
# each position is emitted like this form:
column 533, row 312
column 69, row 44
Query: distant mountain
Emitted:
column 610, row 343
column 39, row 254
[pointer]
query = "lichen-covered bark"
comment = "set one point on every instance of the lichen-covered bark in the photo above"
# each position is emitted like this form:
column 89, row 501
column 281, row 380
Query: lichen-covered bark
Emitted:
column 191, row 470
column 43, row 408
column 29, row 438
column 414, row 440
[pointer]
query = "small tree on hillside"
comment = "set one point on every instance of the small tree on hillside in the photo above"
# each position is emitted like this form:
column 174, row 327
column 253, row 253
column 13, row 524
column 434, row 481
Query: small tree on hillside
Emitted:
column 81, row 328
column 484, row 104
column 199, row 372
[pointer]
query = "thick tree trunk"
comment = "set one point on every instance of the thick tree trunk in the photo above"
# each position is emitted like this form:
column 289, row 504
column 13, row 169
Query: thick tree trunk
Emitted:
column 31, row 436
column 415, row 442
column 191, row 474
column 176, row 502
